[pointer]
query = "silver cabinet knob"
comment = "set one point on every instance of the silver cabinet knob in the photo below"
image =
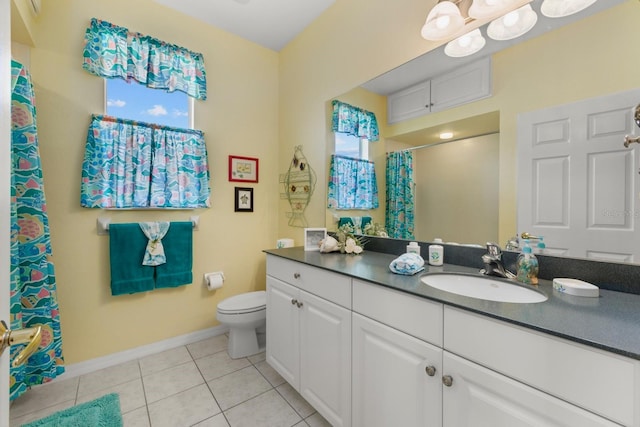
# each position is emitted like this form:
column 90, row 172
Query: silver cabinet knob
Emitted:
column 299, row 304
column 447, row 380
column 296, row 275
column 294, row 301
column 430, row 370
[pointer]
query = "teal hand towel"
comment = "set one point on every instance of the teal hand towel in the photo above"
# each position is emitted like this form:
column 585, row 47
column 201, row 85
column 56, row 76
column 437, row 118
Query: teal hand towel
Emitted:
column 178, row 249
column 127, row 244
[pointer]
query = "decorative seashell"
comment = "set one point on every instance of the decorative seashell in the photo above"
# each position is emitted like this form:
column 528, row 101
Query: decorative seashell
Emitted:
column 329, row 244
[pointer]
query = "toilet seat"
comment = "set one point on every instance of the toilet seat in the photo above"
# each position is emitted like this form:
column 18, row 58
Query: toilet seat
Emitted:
column 244, row 303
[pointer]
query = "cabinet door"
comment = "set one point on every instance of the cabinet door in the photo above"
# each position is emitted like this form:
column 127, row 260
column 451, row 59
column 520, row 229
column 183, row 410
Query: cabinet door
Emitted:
column 408, row 103
column 325, row 358
column 283, row 330
column 464, row 84
column 391, row 386
column 480, row 397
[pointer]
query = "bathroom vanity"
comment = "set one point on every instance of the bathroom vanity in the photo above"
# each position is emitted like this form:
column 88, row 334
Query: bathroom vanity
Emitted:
column 366, row 347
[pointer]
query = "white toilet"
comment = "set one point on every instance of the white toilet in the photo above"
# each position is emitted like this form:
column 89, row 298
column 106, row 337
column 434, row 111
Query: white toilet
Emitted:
column 245, row 315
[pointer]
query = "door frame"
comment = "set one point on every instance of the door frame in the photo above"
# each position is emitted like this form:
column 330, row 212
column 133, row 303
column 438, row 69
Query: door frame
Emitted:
column 5, row 194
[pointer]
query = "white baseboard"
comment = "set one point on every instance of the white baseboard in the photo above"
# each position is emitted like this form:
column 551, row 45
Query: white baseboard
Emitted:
column 98, row 363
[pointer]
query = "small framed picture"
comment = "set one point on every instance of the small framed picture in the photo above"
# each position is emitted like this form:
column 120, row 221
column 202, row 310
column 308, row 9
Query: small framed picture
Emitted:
column 313, row 237
column 244, row 199
column 244, row 169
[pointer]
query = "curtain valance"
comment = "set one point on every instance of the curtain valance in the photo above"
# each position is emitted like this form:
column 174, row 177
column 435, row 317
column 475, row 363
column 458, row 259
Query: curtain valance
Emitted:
column 112, row 51
column 354, row 121
column 352, row 184
column 131, row 164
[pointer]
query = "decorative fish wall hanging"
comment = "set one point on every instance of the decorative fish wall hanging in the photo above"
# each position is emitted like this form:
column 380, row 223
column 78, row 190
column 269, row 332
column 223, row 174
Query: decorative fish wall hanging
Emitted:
column 298, row 185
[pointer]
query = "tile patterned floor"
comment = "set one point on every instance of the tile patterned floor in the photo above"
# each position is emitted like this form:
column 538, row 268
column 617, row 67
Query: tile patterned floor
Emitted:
column 193, row 385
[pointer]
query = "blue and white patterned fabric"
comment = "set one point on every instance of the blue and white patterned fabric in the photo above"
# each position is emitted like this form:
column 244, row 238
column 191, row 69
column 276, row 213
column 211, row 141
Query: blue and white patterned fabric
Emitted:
column 399, row 210
column 354, row 121
column 352, row 184
column 407, row 264
column 154, row 253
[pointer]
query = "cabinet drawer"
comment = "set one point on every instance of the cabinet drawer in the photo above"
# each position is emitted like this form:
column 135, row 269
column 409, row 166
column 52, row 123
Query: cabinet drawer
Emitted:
column 408, row 313
column 587, row 377
column 325, row 284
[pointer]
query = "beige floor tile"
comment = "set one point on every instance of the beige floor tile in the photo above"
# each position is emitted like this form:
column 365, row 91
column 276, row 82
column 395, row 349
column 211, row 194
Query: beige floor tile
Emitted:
column 43, row 396
column 257, row 358
column 131, row 395
column 294, row 399
column 317, row 420
column 184, row 409
column 237, row 387
column 267, row 410
column 108, row 377
column 171, row 381
column 220, row 364
column 161, row 361
column 270, row 374
column 208, row 347
column 136, row 418
column 217, row 421
column 40, row 413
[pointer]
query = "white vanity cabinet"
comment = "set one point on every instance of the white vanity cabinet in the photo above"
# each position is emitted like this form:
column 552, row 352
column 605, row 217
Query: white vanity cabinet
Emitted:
column 396, row 373
column 465, row 84
column 309, row 335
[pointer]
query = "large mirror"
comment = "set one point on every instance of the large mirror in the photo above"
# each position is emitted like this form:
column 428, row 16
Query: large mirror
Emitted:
column 586, row 57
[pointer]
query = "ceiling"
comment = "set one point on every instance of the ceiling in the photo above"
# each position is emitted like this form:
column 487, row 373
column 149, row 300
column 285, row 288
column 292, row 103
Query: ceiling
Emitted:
column 269, row 23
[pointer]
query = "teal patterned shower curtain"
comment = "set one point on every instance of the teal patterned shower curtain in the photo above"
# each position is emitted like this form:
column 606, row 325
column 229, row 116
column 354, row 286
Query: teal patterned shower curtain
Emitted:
column 399, row 211
column 33, row 284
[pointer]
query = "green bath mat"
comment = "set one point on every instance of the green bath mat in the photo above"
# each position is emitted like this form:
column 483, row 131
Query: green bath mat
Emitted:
column 102, row 412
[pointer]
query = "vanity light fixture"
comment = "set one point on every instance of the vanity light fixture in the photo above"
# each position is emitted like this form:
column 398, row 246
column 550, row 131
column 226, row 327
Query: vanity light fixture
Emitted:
column 443, row 22
column 483, row 9
column 465, row 45
column 562, row 8
column 513, row 24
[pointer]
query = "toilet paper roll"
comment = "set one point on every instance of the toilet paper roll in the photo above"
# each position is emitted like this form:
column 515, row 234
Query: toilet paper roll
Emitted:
column 284, row 243
column 214, row 280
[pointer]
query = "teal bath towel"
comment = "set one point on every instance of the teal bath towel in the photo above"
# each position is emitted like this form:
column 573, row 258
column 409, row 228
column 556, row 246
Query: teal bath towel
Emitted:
column 127, row 244
column 178, row 244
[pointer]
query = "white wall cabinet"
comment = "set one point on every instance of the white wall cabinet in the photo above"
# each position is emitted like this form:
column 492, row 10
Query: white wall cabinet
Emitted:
column 465, row 84
column 310, row 341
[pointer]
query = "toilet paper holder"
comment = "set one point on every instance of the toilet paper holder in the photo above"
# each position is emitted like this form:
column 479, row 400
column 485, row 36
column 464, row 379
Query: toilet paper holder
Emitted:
column 214, row 280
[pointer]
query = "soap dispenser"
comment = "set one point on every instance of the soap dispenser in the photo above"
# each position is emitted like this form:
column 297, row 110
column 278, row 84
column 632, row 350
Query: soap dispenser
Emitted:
column 527, row 265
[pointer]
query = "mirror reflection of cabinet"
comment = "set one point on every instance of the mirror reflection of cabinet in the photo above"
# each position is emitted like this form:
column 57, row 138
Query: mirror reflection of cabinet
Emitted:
column 460, row 86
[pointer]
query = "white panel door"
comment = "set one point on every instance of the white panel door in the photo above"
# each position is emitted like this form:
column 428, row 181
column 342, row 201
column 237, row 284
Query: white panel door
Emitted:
column 283, row 330
column 391, row 385
column 577, row 183
column 325, row 358
column 479, row 397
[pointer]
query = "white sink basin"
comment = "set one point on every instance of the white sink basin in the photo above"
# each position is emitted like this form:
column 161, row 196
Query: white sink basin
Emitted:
column 483, row 287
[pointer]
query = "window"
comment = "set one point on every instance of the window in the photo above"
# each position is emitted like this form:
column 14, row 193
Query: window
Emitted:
column 351, row 146
column 137, row 102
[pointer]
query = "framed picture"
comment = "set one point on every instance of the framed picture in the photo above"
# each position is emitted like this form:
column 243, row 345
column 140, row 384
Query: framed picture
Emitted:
column 312, row 238
column 244, row 199
column 243, row 169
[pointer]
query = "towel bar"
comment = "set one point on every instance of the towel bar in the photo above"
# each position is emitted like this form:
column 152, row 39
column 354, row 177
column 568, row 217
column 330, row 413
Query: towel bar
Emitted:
column 102, row 224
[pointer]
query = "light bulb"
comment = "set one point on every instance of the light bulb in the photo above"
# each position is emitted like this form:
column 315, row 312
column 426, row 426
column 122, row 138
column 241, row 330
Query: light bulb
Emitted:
column 464, row 41
column 511, row 18
column 443, row 22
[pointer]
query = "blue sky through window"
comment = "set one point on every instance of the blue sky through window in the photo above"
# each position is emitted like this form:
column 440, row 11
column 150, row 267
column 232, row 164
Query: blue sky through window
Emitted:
column 138, row 102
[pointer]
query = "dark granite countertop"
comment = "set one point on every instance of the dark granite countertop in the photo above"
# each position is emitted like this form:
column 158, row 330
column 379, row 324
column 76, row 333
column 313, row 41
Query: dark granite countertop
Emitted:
column 611, row 322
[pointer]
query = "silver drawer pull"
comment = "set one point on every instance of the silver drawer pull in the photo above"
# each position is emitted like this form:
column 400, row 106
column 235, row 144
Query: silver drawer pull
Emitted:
column 447, row 380
column 430, row 370
column 296, row 275
column 294, row 301
column 299, row 304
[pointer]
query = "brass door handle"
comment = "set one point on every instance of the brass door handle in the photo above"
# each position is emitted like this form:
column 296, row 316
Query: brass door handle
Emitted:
column 32, row 336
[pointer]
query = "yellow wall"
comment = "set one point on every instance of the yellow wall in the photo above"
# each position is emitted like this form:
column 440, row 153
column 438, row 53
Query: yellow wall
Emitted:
column 360, row 39
column 240, row 117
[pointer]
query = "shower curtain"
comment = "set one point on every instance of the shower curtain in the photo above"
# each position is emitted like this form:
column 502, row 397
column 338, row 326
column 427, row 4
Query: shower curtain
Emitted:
column 399, row 207
column 33, row 285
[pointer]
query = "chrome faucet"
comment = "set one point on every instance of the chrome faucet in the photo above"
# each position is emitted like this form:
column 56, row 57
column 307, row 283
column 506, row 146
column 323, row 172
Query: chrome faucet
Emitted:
column 493, row 265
